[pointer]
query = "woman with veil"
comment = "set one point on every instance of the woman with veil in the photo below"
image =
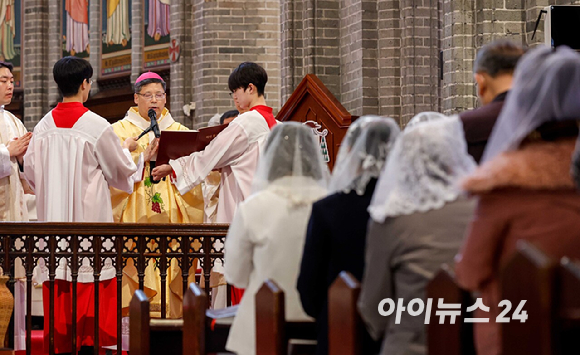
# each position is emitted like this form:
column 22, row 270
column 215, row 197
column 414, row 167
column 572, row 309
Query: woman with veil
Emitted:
column 266, row 237
column 524, row 187
column 419, row 217
column 336, row 235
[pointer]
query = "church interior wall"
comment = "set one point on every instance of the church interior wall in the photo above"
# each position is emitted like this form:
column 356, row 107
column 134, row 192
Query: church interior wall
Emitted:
column 387, row 57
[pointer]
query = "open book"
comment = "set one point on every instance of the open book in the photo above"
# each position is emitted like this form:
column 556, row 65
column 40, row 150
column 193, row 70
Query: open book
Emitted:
column 176, row 144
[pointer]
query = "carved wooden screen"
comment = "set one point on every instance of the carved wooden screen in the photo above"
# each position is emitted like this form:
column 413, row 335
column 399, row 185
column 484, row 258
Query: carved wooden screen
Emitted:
column 312, row 102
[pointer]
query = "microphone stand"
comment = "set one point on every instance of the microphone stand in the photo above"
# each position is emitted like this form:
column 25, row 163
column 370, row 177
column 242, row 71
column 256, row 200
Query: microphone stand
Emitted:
column 155, row 128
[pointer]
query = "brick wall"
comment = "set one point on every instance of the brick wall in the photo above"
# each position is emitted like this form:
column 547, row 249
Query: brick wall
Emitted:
column 359, row 65
column 225, row 34
column 95, row 41
column 35, row 60
column 54, row 48
column 311, row 43
column 137, row 38
column 181, row 71
column 375, row 56
column 389, row 58
column 419, row 57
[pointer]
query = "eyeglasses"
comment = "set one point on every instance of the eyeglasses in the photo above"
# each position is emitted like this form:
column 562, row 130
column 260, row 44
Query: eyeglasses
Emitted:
column 149, row 96
column 90, row 81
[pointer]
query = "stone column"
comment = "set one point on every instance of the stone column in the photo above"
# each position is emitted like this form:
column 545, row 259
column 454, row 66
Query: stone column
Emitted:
column 35, row 62
column 137, row 42
column 458, row 45
column 181, row 70
column 54, row 47
column 95, row 40
column 419, row 57
column 389, row 58
column 226, row 34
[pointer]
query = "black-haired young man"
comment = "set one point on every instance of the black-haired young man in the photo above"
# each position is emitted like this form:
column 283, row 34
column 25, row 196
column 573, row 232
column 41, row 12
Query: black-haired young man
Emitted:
column 74, row 155
column 73, row 158
column 235, row 150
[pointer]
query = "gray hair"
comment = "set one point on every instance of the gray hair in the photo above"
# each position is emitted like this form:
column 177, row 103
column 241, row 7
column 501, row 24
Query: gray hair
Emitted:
column 498, row 57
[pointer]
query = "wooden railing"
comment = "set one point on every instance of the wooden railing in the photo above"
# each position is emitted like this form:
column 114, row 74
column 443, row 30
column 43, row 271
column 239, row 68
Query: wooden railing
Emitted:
column 99, row 242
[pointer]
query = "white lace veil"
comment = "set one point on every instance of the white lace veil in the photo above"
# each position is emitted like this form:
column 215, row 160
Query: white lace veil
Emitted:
column 423, row 117
column 546, row 88
column 362, row 153
column 422, row 170
column 292, row 161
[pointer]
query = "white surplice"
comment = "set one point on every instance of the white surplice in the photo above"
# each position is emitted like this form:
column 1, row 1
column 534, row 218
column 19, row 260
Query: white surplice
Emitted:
column 71, row 169
column 235, row 151
column 265, row 241
column 12, row 199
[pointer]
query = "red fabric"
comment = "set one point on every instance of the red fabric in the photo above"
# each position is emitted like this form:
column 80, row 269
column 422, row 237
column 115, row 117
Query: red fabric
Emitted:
column 66, row 114
column 78, row 10
column 237, row 294
column 85, row 314
column 267, row 113
column 37, row 340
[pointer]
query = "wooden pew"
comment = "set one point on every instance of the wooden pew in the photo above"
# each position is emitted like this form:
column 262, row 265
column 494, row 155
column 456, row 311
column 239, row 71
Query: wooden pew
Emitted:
column 344, row 322
column 567, row 302
column 447, row 338
column 152, row 336
column 273, row 332
column 193, row 335
column 552, row 294
column 194, row 307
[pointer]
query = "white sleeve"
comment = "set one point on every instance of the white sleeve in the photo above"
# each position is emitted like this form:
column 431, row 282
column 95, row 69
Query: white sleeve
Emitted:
column 138, row 175
column 29, row 164
column 238, row 252
column 191, row 170
column 5, row 165
column 117, row 166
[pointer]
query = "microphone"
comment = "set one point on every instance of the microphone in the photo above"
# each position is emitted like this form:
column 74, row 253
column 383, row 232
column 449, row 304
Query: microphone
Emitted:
column 155, row 128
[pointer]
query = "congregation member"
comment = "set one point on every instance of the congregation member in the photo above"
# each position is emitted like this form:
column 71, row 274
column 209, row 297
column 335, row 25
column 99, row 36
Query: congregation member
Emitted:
column 266, row 237
column 73, row 158
column 149, row 202
column 14, row 140
column 493, row 72
column 336, row 234
column 419, row 217
column 422, row 117
column 524, row 187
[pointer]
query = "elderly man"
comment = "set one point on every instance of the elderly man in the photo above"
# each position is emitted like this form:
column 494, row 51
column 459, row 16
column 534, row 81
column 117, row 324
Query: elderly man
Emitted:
column 493, row 72
column 149, row 202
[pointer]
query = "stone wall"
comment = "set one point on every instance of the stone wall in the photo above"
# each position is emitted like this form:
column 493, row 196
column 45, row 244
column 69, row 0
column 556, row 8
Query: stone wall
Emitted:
column 225, row 34
column 35, row 46
column 389, row 57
